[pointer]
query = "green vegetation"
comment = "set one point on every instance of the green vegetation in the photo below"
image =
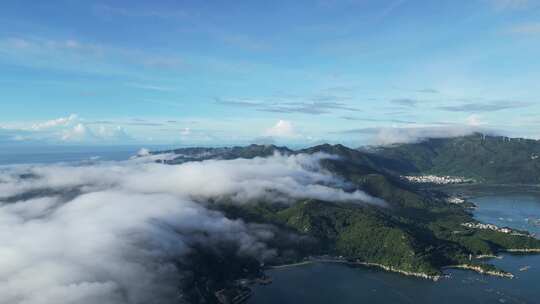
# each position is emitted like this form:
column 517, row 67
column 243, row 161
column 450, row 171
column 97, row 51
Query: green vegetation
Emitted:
column 199, row 154
column 417, row 232
column 493, row 159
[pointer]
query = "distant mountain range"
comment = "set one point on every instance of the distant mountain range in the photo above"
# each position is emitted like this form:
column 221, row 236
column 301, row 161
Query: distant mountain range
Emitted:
column 418, row 233
column 486, row 159
column 491, row 159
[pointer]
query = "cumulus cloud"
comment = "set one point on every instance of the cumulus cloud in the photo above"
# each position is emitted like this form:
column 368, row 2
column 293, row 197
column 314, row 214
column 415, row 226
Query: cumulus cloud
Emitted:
column 78, row 133
column 82, row 133
column 62, row 121
column 113, row 133
column 71, row 128
column 115, row 232
column 282, row 128
column 143, row 152
column 475, row 120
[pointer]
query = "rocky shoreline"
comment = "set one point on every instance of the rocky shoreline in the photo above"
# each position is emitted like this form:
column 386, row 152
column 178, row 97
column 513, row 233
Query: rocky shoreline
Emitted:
column 422, row 275
column 290, row 265
column 435, row 278
column 479, row 269
column 368, row 264
column 488, row 256
column 526, row 250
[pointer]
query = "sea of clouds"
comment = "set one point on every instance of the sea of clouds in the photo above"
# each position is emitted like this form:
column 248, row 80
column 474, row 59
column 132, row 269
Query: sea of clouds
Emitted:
column 112, row 232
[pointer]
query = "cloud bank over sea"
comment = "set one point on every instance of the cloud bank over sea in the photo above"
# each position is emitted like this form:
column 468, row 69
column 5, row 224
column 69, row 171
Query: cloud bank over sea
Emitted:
column 116, row 232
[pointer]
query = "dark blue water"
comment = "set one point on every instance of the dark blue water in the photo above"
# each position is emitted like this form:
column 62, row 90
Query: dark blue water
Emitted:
column 334, row 283
column 513, row 210
column 12, row 155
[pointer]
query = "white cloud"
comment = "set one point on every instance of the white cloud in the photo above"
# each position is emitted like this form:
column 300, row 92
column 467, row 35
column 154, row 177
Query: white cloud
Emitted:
column 82, row 133
column 294, row 176
column 143, row 152
column 114, row 232
column 475, row 120
column 386, row 136
column 185, row 132
column 282, row 128
column 67, row 129
column 112, row 134
column 62, row 121
column 78, row 133
column 88, row 250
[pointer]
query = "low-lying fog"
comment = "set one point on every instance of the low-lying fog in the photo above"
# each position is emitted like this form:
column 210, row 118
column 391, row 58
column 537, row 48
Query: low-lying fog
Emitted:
column 110, row 232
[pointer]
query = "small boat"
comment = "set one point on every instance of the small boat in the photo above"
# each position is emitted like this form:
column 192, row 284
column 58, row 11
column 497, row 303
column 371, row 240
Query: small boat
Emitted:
column 525, row 268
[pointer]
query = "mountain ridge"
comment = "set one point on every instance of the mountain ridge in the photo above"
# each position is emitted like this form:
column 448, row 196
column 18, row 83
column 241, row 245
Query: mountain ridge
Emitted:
column 484, row 158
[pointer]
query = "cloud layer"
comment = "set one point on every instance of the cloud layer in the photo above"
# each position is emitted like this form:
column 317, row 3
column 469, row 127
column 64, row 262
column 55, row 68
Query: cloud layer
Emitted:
column 114, row 232
column 69, row 129
column 400, row 135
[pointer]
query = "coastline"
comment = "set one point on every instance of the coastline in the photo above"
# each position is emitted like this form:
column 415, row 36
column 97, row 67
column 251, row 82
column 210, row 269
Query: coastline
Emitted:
column 422, row 275
column 488, row 256
column 525, row 250
column 435, row 278
column 290, row 265
column 479, row 269
column 479, row 189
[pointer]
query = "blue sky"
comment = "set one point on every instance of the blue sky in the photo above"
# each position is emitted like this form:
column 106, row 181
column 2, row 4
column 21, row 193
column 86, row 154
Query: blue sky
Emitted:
column 237, row 72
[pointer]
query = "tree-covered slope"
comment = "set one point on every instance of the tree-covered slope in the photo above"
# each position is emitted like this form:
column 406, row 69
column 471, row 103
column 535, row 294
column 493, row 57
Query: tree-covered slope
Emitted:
column 201, row 153
column 493, row 159
column 417, row 231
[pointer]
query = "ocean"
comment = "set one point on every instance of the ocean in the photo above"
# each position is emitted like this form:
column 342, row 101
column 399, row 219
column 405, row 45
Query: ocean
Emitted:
column 14, row 155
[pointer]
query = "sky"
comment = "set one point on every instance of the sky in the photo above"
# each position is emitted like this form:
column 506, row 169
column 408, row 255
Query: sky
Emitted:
column 284, row 72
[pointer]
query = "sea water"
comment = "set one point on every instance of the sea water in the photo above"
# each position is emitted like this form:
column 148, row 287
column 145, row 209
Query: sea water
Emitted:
column 14, row 155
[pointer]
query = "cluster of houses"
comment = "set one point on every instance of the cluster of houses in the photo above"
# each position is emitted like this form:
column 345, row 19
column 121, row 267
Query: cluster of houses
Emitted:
column 434, row 179
column 455, row 200
column 487, row 227
column 495, row 228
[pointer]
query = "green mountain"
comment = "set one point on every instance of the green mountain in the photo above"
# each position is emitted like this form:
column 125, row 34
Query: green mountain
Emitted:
column 492, row 159
column 418, row 233
column 200, row 153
